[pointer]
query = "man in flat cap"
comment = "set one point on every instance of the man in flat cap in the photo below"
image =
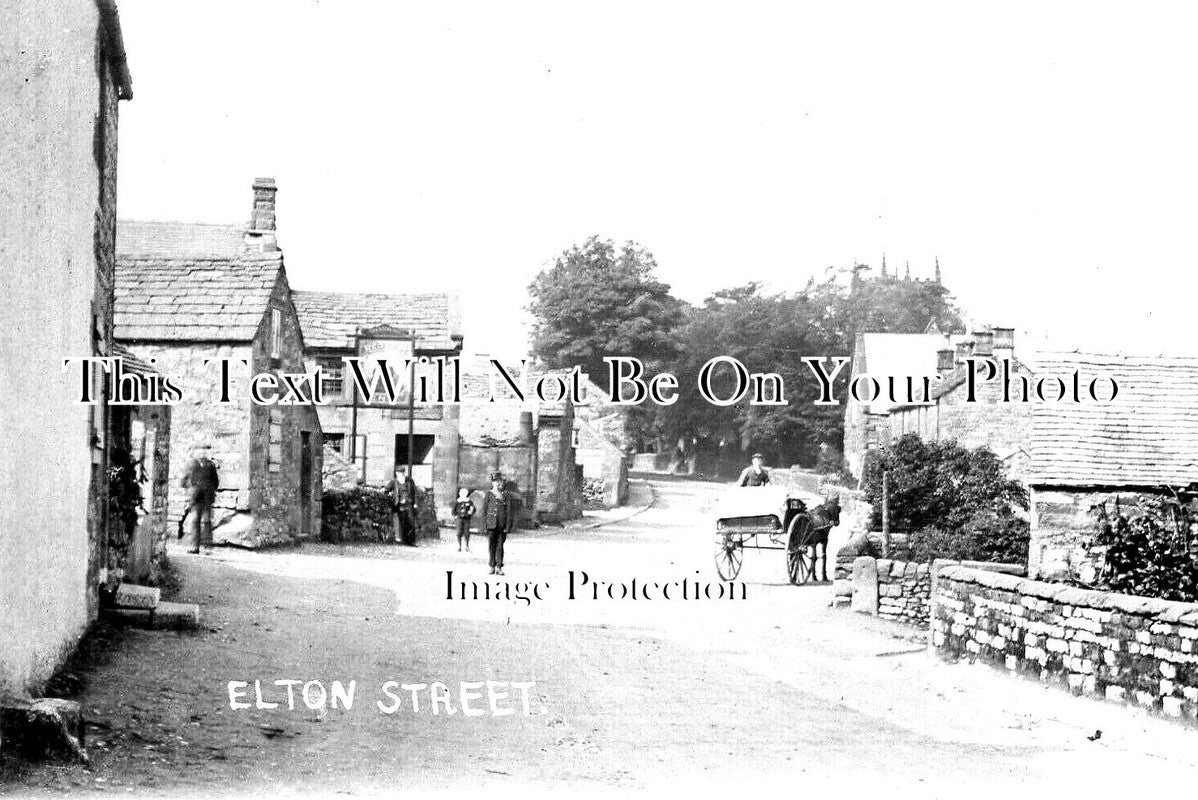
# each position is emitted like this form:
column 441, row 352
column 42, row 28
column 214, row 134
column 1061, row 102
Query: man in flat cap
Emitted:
column 498, row 518
column 754, row 474
column 203, row 480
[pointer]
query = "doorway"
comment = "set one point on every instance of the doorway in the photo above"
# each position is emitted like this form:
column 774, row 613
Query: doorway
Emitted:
column 422, row 457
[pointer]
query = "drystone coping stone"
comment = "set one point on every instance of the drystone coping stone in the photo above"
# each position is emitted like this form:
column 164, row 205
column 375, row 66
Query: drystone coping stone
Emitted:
column 47, row 726
column 1165, row 610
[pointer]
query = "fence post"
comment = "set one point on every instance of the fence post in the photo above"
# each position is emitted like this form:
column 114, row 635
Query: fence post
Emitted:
column 885, row 515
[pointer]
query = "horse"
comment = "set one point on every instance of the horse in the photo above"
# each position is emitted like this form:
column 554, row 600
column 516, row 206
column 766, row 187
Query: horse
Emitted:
column 824, row 517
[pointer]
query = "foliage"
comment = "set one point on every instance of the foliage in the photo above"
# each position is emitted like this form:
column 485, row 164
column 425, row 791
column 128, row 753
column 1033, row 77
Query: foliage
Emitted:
column 957, row 503
column 767, row 332
column 1148, row 553
column 990, row 536
column 895, row 306
column 598, row 301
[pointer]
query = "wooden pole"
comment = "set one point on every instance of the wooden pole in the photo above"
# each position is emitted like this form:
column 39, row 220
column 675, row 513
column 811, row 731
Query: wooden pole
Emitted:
column 885, row 515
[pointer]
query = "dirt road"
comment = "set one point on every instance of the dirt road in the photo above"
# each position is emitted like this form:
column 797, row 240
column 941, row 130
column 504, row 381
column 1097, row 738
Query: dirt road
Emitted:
column 775, row 689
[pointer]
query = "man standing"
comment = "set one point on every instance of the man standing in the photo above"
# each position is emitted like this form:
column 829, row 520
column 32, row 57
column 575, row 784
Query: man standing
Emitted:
column 402, row 493
column 754, row 474
column 203, row 480
column 498, row 518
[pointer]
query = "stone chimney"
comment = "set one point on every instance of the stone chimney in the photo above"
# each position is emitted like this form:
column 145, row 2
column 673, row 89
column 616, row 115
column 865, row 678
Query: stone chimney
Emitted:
column 945, row 361
column 260, row 235
column 983, row 344
column 964, row 351
column 1004, row 343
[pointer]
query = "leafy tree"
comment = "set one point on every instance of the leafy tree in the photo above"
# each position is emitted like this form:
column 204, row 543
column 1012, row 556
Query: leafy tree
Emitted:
column 951, row 499
column 598, row 300
column 768, row 333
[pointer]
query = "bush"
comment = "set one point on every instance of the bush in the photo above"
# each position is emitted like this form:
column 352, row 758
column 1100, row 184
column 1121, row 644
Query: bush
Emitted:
column 994, row 537
column 956, row 503
column 1149, row 554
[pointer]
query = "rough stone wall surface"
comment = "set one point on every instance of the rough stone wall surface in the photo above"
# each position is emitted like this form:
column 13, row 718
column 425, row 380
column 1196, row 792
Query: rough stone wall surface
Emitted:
column 904, row 591
column 199, row 419
column 51, row 195
column 1127, row 649
column 1064, row 523
column 275, row 435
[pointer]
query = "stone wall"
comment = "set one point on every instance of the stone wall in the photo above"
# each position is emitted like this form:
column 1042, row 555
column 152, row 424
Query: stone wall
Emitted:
column 257, row 449
column 902, row 590
column 60, row 129
column 1127, row 649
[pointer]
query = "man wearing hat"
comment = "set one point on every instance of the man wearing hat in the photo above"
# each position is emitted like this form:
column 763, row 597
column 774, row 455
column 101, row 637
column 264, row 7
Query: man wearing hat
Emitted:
column 498, row 517
column 203, row 480
column 401, row 491
column 754, row 474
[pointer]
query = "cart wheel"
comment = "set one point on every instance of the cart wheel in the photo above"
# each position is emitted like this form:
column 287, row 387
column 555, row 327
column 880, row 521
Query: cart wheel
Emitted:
column 800, row 558
column 728, row 557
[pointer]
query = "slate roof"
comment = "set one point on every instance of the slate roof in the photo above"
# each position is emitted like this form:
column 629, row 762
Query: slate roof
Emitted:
column 193, row 299
column 1147, row 436
column 329, row 319
column 183, row 281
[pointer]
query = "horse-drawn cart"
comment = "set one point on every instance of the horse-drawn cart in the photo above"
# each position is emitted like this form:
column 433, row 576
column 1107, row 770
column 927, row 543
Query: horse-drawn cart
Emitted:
column 773, row 518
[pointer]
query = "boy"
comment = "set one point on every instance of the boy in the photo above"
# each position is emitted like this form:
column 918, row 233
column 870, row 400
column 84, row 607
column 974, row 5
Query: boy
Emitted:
column 463, row 509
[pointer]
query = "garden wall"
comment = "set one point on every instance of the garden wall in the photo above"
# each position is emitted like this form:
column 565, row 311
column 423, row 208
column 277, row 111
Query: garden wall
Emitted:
column 1127, row 649
column 901, row 590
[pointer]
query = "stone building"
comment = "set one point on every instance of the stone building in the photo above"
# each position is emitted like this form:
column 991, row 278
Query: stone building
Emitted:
column 189, row 293
column 531, row 443
column 1141, row 445
column 601, row 444
column 885, row 356
column 991, row 420
column 374, row 436
column 64, row 73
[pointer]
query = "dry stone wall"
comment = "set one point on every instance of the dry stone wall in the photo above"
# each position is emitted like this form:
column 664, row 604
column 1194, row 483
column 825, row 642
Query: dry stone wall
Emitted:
column 1127, row 649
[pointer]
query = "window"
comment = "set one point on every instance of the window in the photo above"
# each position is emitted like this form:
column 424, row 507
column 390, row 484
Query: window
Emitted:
column 276, row 333
column 332, row 367
column 274, row 451
column 575, row 438
column 336, row 441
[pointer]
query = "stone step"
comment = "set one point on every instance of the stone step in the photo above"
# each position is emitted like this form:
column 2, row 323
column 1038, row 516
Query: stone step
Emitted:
column 167, row 616
column 129, row 595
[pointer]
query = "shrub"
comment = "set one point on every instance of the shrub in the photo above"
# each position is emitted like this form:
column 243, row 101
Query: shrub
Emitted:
column 1149, row 554
column 957, row 503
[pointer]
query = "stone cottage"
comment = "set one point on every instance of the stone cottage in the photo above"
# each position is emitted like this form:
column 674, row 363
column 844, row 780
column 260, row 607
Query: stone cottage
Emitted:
column 1142, row 444
column 64, row 73
column 374, row 436
column 189, row 293
column 531, row 443
column 990, row 421
column 884, row 356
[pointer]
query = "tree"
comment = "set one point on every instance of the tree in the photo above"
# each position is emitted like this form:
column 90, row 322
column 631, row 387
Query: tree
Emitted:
column 597, row 301
column 769, row 333
column 956, row 503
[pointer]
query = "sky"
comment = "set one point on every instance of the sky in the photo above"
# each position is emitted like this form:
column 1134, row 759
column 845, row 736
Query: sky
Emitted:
column 1045, row 153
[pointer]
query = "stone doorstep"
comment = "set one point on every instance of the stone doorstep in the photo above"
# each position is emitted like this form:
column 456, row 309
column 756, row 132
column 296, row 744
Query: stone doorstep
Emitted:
column 37, row 728
column 167, row 616
column 129, row 595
